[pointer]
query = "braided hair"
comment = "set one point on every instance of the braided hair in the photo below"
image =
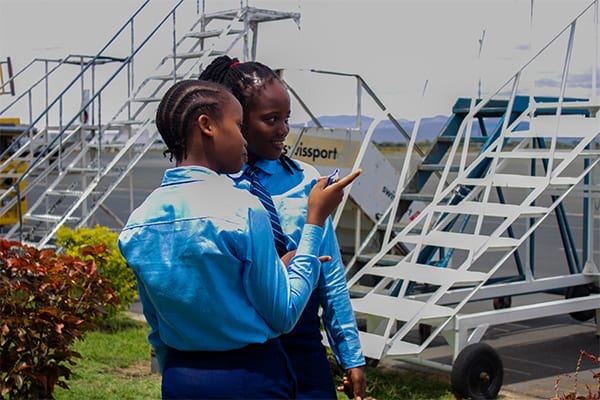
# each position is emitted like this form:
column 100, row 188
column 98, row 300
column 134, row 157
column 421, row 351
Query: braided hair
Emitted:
column 245, row 80
column 180, row 106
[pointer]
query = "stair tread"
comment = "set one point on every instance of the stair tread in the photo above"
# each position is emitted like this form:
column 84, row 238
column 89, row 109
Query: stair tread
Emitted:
column 492, row 209
column 197, row 54
column 398, row 308
column 519, row 181
column 437, row 167
column 423, row 273
column 465, row 241
column 210, row 33
column 47, row 217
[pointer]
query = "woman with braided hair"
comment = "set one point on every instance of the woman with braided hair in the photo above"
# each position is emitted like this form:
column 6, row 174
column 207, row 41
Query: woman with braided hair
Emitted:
column 202, row 254
column 266, row 105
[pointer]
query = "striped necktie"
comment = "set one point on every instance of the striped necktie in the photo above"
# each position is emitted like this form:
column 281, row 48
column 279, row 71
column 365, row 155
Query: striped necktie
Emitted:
column 257, row 189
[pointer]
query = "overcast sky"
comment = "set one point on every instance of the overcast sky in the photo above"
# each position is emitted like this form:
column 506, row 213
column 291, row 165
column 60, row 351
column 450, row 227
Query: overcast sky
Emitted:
column 395, row 45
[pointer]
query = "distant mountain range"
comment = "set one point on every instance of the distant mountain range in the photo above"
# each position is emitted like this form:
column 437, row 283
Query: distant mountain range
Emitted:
column 429, row 128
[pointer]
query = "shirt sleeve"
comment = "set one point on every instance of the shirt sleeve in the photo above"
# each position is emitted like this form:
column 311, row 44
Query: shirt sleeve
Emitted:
column 338, row 316
column 280, row 294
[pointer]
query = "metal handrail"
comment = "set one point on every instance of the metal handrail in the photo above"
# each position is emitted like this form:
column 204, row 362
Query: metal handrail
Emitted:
column 99, row 57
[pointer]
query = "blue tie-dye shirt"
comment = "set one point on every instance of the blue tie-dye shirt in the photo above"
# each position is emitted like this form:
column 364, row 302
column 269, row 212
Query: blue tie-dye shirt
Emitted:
column 209, row 277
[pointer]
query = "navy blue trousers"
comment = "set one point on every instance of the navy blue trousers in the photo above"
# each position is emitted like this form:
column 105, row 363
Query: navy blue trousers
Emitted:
column 257, row 371
column 308, row 356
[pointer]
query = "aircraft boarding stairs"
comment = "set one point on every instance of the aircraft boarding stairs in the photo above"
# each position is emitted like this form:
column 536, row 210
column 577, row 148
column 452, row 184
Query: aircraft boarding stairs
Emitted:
column 464, row 222
column 484, row 208
column 77, row 163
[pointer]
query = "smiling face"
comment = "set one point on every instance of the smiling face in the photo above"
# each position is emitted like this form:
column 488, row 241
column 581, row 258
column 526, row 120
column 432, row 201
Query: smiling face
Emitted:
column 266, row 121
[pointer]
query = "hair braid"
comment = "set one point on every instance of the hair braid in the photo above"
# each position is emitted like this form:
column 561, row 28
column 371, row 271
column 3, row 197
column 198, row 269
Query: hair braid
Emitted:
column 181, row 105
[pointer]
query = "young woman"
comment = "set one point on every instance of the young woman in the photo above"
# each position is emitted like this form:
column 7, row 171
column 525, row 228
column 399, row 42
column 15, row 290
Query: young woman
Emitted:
column 266, row 105
column 202, row 254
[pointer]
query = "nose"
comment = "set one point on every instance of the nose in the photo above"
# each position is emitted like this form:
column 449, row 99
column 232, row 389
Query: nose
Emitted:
column 284, row 129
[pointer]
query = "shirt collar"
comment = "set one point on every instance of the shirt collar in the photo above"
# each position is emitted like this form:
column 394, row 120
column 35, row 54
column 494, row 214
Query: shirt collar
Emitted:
column 269, row 167
column 179, row 175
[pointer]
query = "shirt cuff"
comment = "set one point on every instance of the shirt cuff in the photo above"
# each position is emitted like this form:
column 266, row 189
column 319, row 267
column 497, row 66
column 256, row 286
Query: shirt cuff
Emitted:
column 310, row 242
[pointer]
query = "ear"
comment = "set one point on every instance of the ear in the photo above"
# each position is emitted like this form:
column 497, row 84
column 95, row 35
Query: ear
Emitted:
column 206, row 125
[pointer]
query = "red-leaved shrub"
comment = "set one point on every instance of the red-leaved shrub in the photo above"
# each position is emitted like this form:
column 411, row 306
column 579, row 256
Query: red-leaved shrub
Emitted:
column 47, row 301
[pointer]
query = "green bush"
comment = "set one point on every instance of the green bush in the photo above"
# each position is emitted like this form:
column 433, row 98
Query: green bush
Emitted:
column 113, row 267
column 47, row 301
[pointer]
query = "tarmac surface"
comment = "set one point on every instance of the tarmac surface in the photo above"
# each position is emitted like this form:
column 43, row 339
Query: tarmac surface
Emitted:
column 536, row 355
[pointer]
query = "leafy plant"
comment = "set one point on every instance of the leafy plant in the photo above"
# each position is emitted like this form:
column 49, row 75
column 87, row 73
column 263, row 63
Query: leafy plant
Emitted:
column 47, row 301
column 592, row 394
column 113, row 266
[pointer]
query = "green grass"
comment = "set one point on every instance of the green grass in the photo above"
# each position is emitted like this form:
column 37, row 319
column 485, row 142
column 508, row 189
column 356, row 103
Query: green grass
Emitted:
column 393, row 384
column 388, row 384
column 116, row 365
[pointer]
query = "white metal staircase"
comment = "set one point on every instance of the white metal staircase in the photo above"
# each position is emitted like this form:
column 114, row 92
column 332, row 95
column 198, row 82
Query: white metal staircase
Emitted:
column 401, row 309
column 485, row 207
column 75, row 164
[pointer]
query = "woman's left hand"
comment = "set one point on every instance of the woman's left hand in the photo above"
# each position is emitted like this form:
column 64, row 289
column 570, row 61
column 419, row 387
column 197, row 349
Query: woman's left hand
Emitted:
column 354, row 383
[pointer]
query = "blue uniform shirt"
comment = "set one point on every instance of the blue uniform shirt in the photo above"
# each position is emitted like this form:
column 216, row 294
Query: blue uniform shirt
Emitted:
column 209, row 277
column 290, row 194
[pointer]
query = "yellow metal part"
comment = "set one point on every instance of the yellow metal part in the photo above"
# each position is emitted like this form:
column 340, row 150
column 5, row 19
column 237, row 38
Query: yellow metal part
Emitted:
column 8, row 177
column 10, row 174
column 9, row 121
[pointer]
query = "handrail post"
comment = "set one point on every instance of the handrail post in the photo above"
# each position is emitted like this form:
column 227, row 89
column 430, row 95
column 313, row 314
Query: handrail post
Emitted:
column 358, row 104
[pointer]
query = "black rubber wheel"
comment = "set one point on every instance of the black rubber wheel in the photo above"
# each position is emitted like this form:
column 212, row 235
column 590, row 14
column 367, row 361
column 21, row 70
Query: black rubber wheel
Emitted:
column 580, row 291
column 477, row 373
column 502, row 302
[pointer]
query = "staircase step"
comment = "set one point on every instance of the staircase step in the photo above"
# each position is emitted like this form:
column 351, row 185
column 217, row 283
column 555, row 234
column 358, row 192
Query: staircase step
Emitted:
column 197, row 54
column 121, row 123
column 170, row 77
column 507, row 180
column 64, row 192
column 210, row 33
column 109, row 145
column 398, row 308
column 571, row 126
column 437, row 167
column 372, row 345
column 398, row 227
column 465, row 241
column 583, row 105
column 533, row 153
column 427, row 198
column 492, row 209
column 146, row 99
column 545, row 154
column 423, row 273
column 85, row 170
column 257, row 15
column 47, row 218
column 402, row 348
column 386, row 260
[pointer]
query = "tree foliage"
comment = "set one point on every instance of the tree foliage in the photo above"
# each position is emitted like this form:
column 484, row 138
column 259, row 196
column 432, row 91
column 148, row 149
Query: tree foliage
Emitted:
column 113, row 266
